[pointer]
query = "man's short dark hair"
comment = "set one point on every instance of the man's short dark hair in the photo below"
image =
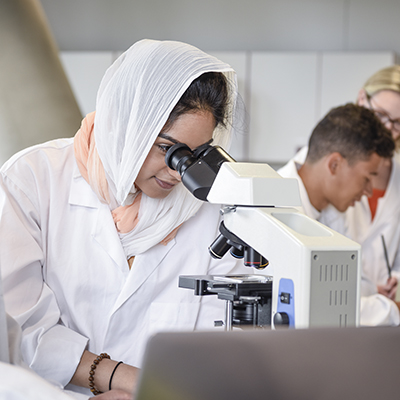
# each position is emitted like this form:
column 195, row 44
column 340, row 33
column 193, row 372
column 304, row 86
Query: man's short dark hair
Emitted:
column 353, row 131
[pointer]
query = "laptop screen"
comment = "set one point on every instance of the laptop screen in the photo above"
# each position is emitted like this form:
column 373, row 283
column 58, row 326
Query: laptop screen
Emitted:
column 319, row 363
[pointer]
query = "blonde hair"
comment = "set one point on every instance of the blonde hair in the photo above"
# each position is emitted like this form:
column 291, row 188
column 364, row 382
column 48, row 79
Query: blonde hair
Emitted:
column 385, row 79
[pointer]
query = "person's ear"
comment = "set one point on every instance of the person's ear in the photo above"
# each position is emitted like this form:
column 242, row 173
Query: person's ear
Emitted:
column 334, row 161
column 362, row 98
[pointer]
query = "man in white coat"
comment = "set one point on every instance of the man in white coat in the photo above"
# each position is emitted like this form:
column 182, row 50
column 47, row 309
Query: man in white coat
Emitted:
column 374, row 221
column 345, row 151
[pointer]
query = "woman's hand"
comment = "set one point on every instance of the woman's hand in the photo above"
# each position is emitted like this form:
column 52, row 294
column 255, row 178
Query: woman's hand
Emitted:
column 389, row 289
column 116, row 394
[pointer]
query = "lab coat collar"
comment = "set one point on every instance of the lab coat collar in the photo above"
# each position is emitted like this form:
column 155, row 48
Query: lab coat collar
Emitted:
column 104, row 231
column 81, row 194
column 308, row 208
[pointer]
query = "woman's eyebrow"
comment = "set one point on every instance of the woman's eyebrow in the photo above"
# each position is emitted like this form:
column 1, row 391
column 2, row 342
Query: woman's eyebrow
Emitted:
column 174, row 141
column 167, row 137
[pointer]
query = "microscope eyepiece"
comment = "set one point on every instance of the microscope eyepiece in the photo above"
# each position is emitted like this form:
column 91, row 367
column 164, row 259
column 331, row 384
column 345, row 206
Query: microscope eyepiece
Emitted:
column 197, row 168
column 179, row 157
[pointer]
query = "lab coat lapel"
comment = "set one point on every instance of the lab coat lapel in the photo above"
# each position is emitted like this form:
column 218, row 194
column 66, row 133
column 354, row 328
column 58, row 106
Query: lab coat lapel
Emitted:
column 142, row 268
column 106, row 236
column 104, row 231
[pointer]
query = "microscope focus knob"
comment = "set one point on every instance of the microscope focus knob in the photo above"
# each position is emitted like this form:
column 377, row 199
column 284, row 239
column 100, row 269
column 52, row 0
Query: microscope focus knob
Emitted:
column 281, row 319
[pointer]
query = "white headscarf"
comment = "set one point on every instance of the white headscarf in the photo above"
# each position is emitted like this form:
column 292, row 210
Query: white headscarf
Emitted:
column 134, row 101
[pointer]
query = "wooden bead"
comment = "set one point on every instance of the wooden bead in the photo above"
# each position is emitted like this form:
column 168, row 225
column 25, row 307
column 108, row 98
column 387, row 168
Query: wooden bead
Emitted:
column 96, row 361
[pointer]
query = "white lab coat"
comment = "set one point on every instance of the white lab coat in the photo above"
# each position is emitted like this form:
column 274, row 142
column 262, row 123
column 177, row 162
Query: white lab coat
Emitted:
column 67, row 281
column 17, row 381
column 375, row 309
column 4, row 350
column 10, row 336
column 386, row 222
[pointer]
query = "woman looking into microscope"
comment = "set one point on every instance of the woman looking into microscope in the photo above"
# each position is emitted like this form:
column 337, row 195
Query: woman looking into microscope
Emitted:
column 95, row 230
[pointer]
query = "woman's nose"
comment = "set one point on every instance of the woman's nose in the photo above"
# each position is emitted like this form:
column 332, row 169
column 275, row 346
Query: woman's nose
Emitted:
column 174, row 174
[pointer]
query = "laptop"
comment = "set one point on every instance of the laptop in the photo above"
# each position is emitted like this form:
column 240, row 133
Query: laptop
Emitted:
column 317, row 363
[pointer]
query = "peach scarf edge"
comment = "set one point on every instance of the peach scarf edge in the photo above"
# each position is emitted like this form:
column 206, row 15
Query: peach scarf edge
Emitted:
column 92, row 170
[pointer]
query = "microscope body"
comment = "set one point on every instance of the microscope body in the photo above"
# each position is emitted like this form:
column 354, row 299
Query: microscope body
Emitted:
column 314, row 271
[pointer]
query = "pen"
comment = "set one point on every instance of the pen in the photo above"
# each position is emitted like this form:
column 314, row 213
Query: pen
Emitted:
column 386, row 257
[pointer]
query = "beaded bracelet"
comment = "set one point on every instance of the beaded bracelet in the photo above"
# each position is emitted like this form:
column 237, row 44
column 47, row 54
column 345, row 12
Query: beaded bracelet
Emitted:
column 97, row 360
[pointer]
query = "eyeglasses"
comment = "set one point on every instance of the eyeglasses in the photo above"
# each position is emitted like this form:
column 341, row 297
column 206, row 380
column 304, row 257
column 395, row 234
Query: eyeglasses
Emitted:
column 384, row 117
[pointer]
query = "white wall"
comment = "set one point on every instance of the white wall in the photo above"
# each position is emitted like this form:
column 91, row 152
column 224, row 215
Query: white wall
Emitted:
column 285, row 93
column 259, row 38
column 230, row 25
column 291, row 92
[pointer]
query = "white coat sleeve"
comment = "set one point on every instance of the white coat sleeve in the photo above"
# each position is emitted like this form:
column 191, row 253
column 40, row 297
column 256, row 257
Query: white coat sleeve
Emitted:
column 19, row 383
column 378, row 310
column 48, row 347
column 396, row 264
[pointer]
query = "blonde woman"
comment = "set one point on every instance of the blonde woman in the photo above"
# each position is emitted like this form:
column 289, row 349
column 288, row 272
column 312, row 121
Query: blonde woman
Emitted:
column 375, row 221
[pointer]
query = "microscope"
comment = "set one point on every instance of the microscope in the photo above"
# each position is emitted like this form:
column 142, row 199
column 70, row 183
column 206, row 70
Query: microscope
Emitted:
column 308, row 275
